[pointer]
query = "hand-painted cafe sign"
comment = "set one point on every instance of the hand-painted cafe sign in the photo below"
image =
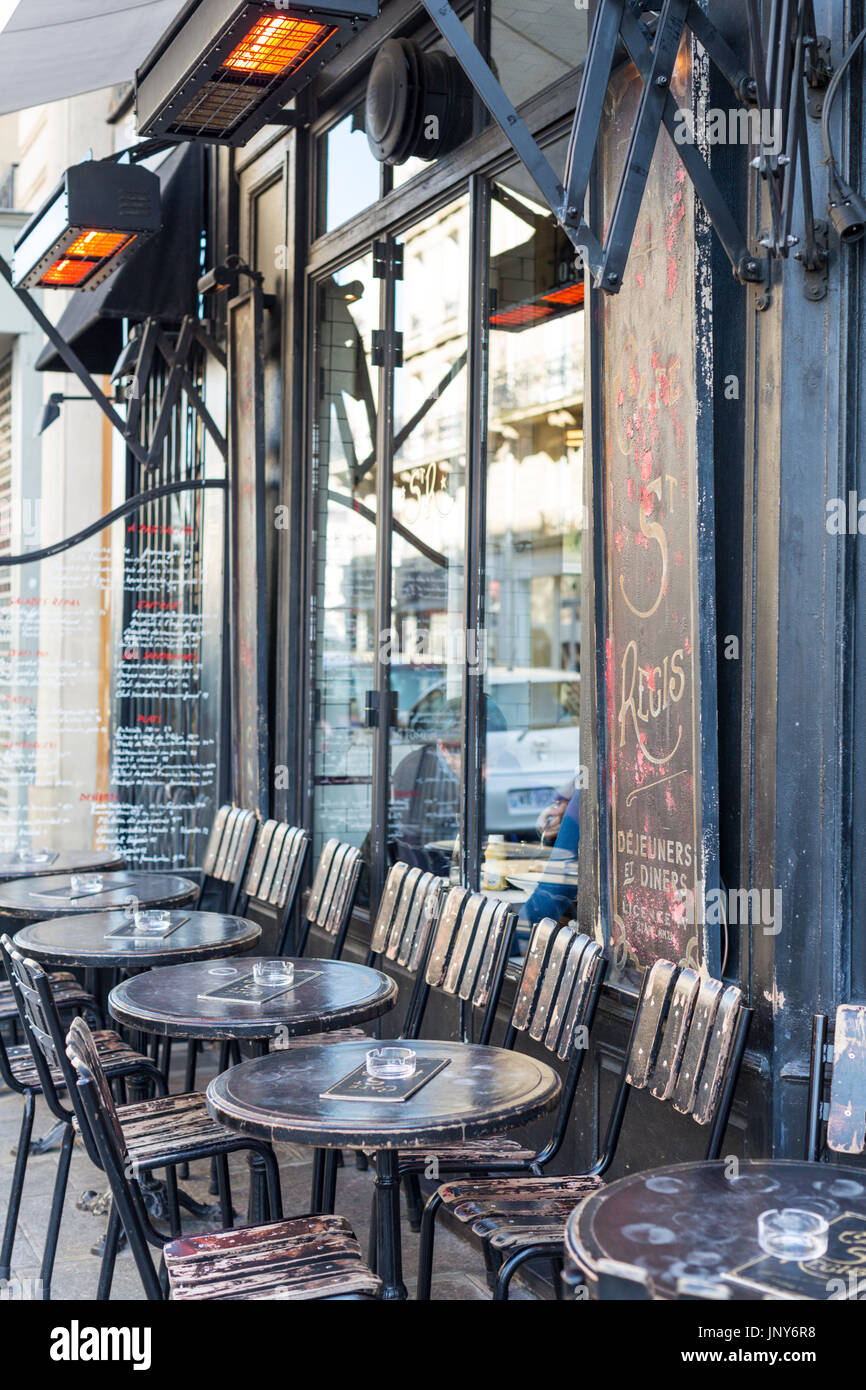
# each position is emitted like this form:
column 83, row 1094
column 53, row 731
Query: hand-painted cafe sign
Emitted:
column 657, row 569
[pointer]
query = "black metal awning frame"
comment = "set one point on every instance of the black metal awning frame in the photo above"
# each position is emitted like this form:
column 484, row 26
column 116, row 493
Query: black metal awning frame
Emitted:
column 794, row 60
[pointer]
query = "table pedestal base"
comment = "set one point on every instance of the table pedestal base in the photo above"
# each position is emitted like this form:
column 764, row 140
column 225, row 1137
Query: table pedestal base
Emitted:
column 389, row 1249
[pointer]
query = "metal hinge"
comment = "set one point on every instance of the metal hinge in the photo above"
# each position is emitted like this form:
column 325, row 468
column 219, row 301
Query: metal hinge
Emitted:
column 387, row 256
column 377, row 348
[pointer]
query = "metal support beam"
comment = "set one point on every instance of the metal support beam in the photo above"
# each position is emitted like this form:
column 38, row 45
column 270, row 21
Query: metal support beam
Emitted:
column 75, row 365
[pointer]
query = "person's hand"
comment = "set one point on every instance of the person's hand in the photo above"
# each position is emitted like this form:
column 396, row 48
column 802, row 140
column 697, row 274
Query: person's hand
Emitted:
column 550, row 820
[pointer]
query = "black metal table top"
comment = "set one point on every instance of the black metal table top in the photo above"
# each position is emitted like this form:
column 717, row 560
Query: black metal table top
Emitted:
column 64, row 861
column 82, row 941
column 483, row 1090
column 25, row 899
column 700, row 1221
column 334, row 994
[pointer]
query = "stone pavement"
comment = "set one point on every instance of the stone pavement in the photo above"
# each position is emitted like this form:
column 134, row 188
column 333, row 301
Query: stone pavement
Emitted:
column 458, row 1271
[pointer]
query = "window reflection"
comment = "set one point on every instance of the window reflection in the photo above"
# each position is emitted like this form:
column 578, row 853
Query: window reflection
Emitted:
column 426, row 668
column 345, row 555
column 534, row 43
column 534, row 520
column 348, row 174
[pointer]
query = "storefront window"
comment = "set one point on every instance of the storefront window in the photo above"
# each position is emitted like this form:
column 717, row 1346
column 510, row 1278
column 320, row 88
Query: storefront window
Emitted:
column 349, row 176
column 533, row 43
column 345, row 554
column 534, row 518
column 428, row 629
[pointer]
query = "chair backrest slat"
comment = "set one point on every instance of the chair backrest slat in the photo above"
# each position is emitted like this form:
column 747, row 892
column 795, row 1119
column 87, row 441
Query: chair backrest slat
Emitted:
column 81, row 1050
column 718, row 1056
column 550, row 984
column 846, row 1124
column 242, row 839
column 694, row 1054
column 665, row 1072
column 259, row 857
column 287, row 875
column 530, row 978
column 413, row 947
column 320, row 879
column 588, row 967
column 226, row 845
column 215, row 840
column 475, row 921
column 560, row 1005
column 443, row 940
column 400, row 878
column 650, row 1020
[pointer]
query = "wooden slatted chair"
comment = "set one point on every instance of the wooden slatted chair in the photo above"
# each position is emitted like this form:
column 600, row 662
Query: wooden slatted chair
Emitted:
column 70, row 994
column 273, row 876
column 228, row 851
column 686, row 1046
column 35, row 1069
column 311, row 1258
column 838, row 1124
column 554, row 1006
column 332, row 895
column 308, row 1258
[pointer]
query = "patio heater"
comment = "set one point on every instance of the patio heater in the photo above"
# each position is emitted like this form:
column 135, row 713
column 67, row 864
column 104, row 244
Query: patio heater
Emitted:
column 225, row 69
column 96, row 216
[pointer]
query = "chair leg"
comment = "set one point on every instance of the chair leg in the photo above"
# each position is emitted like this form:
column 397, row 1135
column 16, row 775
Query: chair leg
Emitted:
column 317, row 1194
column 425, row 1252
column 56, row 1215
column 330, row 1182
column 510, row 1268
column 275, row 1192
column 109, row 1255
column 17, row 1186
column 191, row 1060
column 227, row 1216
column 414, row 1201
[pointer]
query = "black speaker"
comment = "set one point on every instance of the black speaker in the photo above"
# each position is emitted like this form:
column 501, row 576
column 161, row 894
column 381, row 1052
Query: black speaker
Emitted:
column 418, row 103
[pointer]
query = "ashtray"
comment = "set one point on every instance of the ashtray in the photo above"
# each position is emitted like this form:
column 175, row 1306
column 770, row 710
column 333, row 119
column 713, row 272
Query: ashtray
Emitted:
column 156, row 919
column 35, row 856
column 788, row 1233
column 85, row 883
column 273, row 972
column 391, row 1062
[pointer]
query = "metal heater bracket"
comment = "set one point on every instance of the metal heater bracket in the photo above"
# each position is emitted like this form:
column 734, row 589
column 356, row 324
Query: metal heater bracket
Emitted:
column 618, row 24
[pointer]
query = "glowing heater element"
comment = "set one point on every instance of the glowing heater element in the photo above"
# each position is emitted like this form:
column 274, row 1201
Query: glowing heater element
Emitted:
column 99, row 211
column 225, row 68
column 272, row 45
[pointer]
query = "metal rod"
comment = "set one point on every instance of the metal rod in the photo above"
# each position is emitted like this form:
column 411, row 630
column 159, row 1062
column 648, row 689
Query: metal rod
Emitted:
column 141, row 499
column 73, row 363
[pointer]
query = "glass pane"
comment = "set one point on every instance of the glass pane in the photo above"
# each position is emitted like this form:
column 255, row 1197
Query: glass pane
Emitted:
column 344, row 555
column 348, row 173
column 428, row 635
column 533, row 43
column 534, row 519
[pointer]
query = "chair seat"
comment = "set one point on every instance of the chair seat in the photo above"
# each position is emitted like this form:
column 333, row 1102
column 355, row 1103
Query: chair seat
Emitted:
column 476, row 1153
column 510, row 1213
column 308, row 1257
column 156, row 1130
column 115, row 1055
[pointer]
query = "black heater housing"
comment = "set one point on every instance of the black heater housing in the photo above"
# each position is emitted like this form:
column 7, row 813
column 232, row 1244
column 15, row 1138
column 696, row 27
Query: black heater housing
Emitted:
column 419, row 103
column 201, row 81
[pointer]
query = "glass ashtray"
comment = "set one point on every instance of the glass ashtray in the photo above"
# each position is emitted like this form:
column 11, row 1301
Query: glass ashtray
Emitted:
column 155, row 919
column 34, row 856
column 789, row 1233
column 273, row 972
column 391, row 1063
column 85, row 883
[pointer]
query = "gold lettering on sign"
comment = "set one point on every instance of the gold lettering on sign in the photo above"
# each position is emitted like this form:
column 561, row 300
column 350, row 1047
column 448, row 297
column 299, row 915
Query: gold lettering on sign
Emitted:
column 665, row 685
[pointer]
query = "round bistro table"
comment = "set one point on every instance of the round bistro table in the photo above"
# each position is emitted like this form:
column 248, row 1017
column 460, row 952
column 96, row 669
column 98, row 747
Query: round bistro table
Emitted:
column 330, row 994
column 34, row 899
column 65, row 861
column 694, row 1228
column 481, row 1091
column 81, row 940
column 333, row 994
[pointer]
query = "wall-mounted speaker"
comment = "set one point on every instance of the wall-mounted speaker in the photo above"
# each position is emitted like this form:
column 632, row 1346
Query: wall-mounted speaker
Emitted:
column 419, row 103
